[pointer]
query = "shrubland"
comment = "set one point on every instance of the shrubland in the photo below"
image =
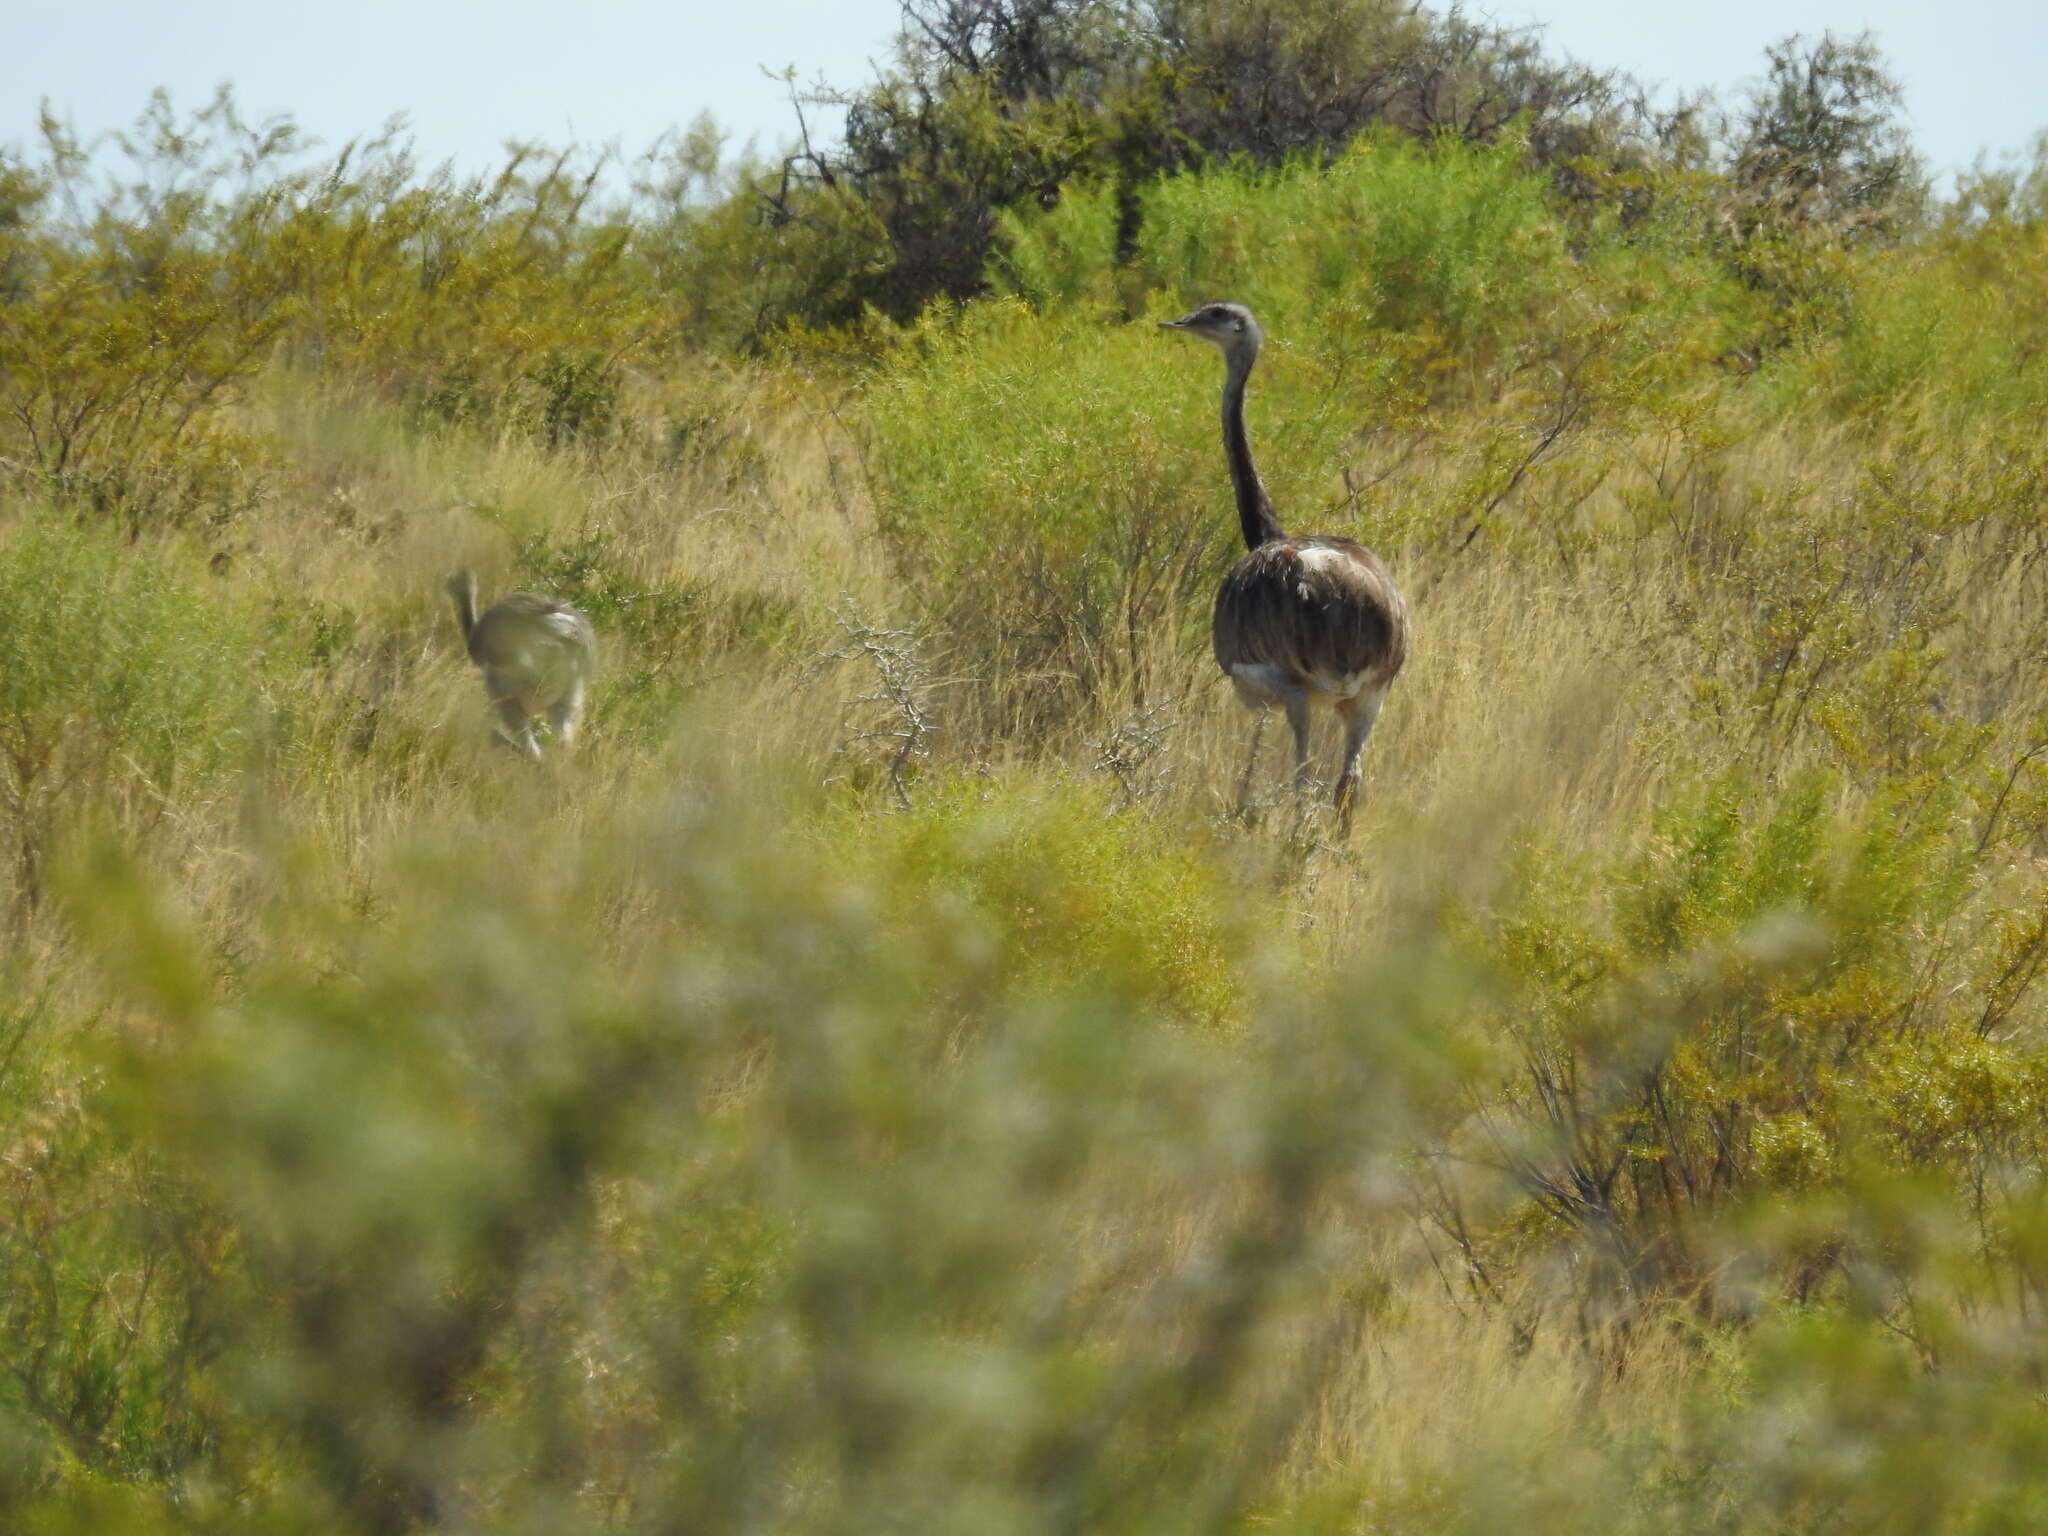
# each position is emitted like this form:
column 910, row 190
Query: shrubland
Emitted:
column 903, row 1070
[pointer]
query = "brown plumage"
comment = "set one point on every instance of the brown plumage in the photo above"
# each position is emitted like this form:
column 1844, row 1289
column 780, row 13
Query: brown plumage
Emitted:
column 536, row 654
column 1298, row 620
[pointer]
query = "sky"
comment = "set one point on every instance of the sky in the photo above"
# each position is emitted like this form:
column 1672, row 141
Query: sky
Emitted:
column 468, row 76
column 1975, row 72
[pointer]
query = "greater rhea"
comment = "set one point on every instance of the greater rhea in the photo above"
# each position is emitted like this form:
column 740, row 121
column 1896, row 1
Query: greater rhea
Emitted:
column 1313, row 618
column 536, row 654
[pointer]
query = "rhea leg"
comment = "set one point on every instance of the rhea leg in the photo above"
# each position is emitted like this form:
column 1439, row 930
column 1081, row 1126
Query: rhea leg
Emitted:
column 567, row 711
column 1244, row 783
column 516, row 726
column 1296, row 700
column 1261, row 687
column 1359, row 714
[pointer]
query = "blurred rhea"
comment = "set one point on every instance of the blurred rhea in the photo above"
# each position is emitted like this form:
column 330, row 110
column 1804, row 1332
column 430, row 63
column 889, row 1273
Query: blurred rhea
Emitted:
column 1302, row 619
column 536, row 654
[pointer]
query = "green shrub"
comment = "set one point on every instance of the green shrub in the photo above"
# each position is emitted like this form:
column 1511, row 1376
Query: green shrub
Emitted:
column 1062, row 887
column 116, row 1281
column 1455, row 239
column 864, row 1188
column 1953, row 324
column 1732, row 1016
column 124, row 686
column 1054, row 490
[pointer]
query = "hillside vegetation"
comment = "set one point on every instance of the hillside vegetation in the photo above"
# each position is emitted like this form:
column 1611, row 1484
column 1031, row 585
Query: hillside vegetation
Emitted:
column 887, row 1077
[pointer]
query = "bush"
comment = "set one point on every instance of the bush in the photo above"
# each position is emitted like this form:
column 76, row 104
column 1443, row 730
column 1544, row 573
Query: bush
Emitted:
column 1061, row 887
column 864, row 1189
column 1730, row 1018
column 124, row 688
column 1050, row 490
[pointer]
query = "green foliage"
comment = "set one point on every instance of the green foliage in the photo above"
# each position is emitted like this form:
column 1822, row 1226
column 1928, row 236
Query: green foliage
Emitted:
column 1066, row 257
column 92, row 1231
column 1457, row 239
column 1731, row 1017
column 122, row 333
column 1955, row 322
column 1035, row 488
column 134, row 312
column 994, row 107
column 1820, row 138
column 123, row 686
column 887, row 1161
column 920, row 1177
column 1064, row 888
column 1865, row 1441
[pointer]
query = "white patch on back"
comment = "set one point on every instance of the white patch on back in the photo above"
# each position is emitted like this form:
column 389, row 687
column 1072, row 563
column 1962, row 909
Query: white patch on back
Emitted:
column 563, row 624
column 1316, row 558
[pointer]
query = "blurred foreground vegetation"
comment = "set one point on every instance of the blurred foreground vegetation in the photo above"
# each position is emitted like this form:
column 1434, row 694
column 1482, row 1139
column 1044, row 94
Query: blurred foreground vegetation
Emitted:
column 888, row 1078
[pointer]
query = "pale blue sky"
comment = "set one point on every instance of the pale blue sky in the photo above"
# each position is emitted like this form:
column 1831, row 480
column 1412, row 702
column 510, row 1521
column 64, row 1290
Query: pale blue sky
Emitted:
column 470, row 76
column 1975, row 71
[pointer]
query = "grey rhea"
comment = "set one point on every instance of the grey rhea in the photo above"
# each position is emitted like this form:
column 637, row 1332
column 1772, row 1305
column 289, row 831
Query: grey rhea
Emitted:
column 1302, row 620
column 536, row 654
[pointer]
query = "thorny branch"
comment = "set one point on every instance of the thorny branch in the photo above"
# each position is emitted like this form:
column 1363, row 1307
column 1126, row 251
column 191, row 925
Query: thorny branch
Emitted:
column 1130, row 751
column 908, row 723
column 1571, row 404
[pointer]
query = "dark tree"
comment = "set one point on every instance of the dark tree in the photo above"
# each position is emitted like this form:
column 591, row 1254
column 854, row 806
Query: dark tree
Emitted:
column 1820, row 142
column 992, row 104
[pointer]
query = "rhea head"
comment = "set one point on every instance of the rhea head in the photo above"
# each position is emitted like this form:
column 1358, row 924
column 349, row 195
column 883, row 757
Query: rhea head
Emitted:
column 1229, row 326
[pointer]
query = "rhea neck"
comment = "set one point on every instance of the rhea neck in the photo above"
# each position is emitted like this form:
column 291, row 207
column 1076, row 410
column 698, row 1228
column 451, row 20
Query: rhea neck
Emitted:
column 464, row 593
column 1254, row 506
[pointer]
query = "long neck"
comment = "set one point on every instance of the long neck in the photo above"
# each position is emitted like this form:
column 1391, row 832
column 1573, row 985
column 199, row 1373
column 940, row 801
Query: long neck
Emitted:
column 465, row 610
column 1254, row 506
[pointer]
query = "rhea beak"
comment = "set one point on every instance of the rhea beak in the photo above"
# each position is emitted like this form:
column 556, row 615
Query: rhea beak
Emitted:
column 1176, row 325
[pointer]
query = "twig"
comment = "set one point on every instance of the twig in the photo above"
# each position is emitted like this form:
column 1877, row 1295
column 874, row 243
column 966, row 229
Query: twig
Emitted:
column 898, row 659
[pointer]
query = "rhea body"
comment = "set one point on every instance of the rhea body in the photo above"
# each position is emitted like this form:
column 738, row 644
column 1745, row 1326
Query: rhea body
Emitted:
column 1303, row 620
column 536, row 655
